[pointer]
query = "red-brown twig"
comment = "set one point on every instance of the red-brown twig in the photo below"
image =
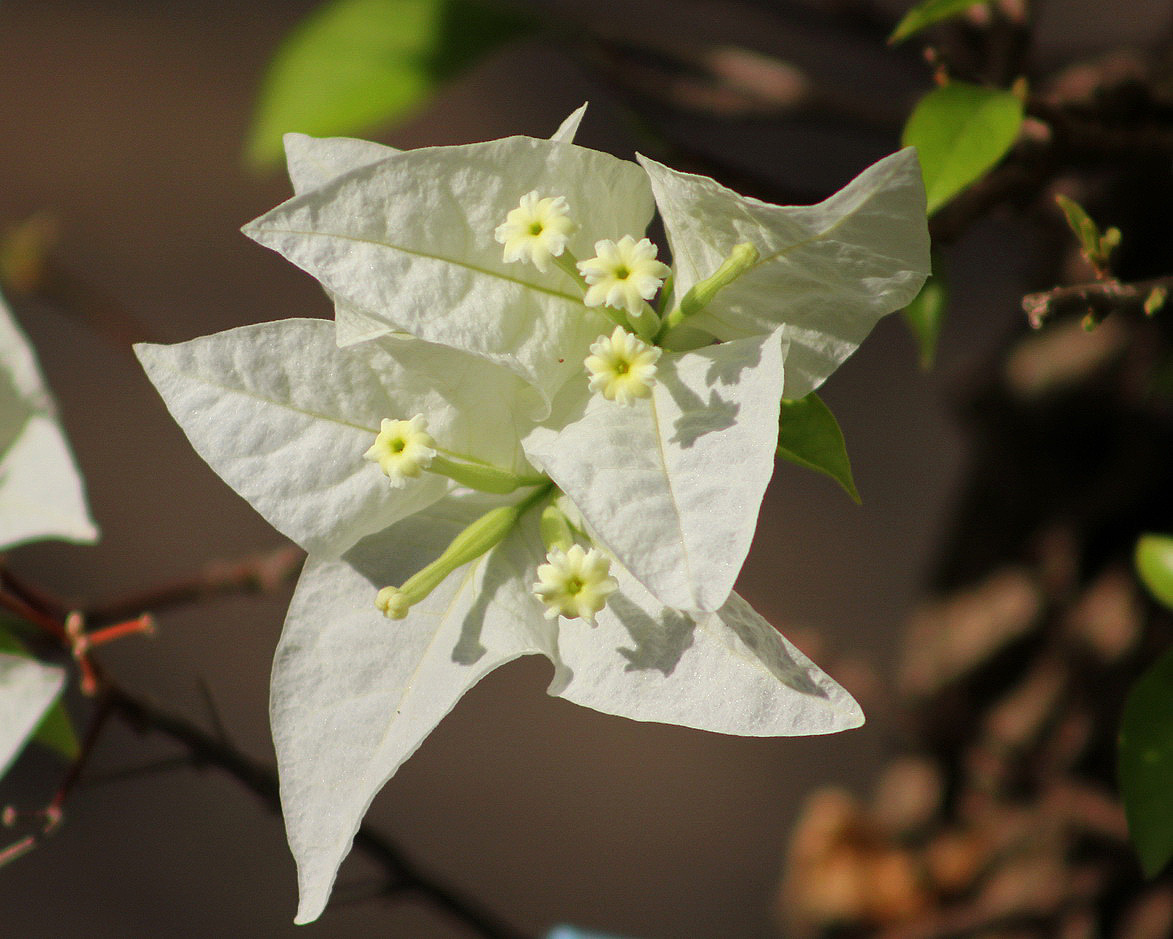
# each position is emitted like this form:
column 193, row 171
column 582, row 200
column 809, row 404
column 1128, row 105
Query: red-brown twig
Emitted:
column 257, row 573
column 1097, row 300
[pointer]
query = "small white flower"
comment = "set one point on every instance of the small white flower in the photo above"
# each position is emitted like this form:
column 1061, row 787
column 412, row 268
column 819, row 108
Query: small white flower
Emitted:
column 402, row 449
column 575, row 583
column 623, row 274
column 622, row 367
column 537, row 230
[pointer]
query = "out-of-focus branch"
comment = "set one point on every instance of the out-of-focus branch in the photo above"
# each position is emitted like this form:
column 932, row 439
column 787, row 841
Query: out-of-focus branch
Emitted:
column 1109, row 129
column 249, row 575
column 402, row 874
column 30, row 269
column 1098, row 300
column 257, row 573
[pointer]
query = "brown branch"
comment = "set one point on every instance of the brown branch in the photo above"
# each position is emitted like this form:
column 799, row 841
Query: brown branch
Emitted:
column 256, row 573
column 1097, row 300
column 1092, row 131
column 261, row 779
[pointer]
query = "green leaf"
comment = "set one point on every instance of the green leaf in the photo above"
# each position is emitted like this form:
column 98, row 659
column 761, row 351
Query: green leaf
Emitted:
column 926, row 314
column 1154, row 564
column 55, row 730
column 1145, row 763
column 353, row 64
column 1081, row 223
column 929, row 12
column 810, row 436
column 1095, row 245
column 960, row 131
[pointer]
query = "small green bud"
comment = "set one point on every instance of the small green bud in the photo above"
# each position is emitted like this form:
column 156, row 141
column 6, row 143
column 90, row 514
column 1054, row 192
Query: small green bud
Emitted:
column 555, row 528
column 485, row 533
column 1155, row 300
column 742, row 258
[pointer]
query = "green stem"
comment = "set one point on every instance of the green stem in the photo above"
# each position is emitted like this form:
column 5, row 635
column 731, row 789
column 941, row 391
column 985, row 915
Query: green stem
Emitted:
column 482, row 477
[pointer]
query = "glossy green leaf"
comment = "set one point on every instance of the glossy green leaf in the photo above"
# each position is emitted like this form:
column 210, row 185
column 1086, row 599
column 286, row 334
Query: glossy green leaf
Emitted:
column 1154, row 563
column 810, row 436
column 926, row 314
column 927, row 13
column 353, row 64
column 960, row 132
column 56, row 729
column 1146, row 764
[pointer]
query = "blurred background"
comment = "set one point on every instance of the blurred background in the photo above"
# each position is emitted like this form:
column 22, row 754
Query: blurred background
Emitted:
column 126, row 123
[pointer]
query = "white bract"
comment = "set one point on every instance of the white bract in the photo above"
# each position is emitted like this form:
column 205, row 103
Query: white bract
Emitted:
column 41, row 492
column 27, row 690
column 585, row 462
column 41, row 496
column 284, row 415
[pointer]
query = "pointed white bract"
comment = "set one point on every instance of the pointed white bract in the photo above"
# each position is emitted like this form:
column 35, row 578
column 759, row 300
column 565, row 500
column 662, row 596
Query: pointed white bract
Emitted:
column 27, row 690
column 594, row 462
column 353, row 696
column 826, row 273
column 672, row 485
column 41, row 492
column 408, row 241
column 284, row 416
column 314, row 161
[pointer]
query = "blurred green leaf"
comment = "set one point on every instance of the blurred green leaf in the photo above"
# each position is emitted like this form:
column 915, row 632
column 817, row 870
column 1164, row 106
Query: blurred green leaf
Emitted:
column 926, row 314
column 929, row 12
column 1154, row 564
column 56, row 732
column 353, row 64
column 56, row 729
column 810, row 436
column 1081, row 223
column 1095, row 245
column 1156, row 300
column 1145, row 763
column 960, row 131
